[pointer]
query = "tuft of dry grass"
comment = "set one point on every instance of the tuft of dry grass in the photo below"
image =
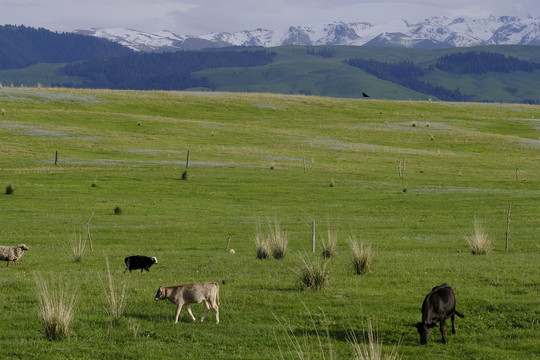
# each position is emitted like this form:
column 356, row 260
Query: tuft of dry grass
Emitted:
column 279, row 241
column 329, row 245
column 56, row 308
column 372, row 347
column 313, row 275
column 78, row 248
column 262, row 244
column 134, row 327
column 307, row 347
column 479, row 241
column 362, row 256
column 116, row 297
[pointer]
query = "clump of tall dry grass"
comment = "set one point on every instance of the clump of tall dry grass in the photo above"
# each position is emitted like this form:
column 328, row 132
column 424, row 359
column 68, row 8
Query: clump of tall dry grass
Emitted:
column 116, row 297
column 78, row 248
column 479, row 241
column 279, row 241
column 362, row 256
column 275, row 241
column 262, row 244
column 313, row 274
column 329, row 244
column 307, row 347
column 56, row 307
column 319, row 346
column 372, row 347
column 134, row 327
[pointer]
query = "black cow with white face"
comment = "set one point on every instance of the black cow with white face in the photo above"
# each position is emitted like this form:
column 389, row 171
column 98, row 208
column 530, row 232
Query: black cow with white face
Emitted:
column 136, row 262
column 439, row 305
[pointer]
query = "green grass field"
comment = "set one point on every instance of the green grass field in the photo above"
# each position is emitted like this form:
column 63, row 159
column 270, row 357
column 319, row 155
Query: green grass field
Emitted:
column 260, row 159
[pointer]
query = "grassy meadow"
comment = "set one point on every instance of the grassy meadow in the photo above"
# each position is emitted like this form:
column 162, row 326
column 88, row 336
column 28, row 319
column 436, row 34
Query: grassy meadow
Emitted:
column 410, row 179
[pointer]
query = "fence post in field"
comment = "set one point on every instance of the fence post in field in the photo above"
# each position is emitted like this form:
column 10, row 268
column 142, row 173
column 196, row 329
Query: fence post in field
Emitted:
column 187, row 160
column 88, row 231
column 508, row 225
column 313, row 236
column 56, row 158
column 304, row 160
column 228, row 243
column 404, row 158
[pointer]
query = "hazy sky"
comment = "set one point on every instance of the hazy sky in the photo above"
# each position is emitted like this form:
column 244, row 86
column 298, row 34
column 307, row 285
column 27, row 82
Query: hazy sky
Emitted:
column 195, row 17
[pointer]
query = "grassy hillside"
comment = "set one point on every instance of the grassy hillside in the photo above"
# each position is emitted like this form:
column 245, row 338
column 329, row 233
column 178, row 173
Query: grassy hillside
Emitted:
column 257, row 160
column 296, row 71
column 36, row 76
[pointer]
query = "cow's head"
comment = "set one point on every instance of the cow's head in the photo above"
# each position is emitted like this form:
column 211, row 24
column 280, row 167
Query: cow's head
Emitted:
column 161, row 294
column 154, row 260
column 424, row 330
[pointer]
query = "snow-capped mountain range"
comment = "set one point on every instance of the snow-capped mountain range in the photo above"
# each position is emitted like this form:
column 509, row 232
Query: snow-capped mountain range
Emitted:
column 435, row 32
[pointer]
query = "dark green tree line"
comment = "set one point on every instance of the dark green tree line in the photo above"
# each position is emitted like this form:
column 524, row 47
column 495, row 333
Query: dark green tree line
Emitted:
column 474, row 62
column 164, row 71
column 22, row 46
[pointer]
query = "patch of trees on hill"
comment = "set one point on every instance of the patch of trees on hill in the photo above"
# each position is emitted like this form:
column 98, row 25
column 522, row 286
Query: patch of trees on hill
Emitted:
column 22, row 46
column 407, row 74
column 164, row 71
column 324, row 52
column 483, row 62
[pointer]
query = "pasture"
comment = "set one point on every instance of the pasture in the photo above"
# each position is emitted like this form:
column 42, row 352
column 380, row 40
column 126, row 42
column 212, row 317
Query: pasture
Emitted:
column 255, row 160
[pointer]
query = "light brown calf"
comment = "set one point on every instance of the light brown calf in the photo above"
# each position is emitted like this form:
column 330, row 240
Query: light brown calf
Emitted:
column 192, row 294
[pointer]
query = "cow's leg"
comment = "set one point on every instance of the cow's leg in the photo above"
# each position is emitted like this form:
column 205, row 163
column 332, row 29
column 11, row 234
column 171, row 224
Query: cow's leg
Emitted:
column 188, row 307
column 178, row 312
column 216, row 310
column 207, row 306
column 453, row 326
column 443, row 330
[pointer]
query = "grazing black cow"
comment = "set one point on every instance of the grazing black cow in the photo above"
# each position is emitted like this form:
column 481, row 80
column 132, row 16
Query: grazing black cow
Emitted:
column 439, row 305
column 364, row 94
column 136, row 262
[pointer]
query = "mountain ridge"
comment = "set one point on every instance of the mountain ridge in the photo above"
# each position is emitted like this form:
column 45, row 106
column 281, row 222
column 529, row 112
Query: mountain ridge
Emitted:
column 434, row 32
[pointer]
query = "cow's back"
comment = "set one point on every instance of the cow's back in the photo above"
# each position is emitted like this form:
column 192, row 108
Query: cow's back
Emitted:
column 439, row 303
column 196, row 293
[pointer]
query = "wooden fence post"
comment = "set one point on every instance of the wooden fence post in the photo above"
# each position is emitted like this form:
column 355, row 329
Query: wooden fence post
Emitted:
column 313, row 236
column 187, row 160
column 56, row 158
column 508, row 225
column 88, row 231
column 228, row 243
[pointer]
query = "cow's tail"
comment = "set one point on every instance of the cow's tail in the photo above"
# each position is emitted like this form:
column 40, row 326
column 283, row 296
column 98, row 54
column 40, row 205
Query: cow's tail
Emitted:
column 459, row 314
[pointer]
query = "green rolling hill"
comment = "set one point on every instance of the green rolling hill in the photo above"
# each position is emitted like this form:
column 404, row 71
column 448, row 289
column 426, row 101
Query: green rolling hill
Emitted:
column 323, row 71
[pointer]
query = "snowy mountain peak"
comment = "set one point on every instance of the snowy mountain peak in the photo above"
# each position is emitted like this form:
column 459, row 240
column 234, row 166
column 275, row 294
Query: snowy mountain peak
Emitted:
column 435, row 32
